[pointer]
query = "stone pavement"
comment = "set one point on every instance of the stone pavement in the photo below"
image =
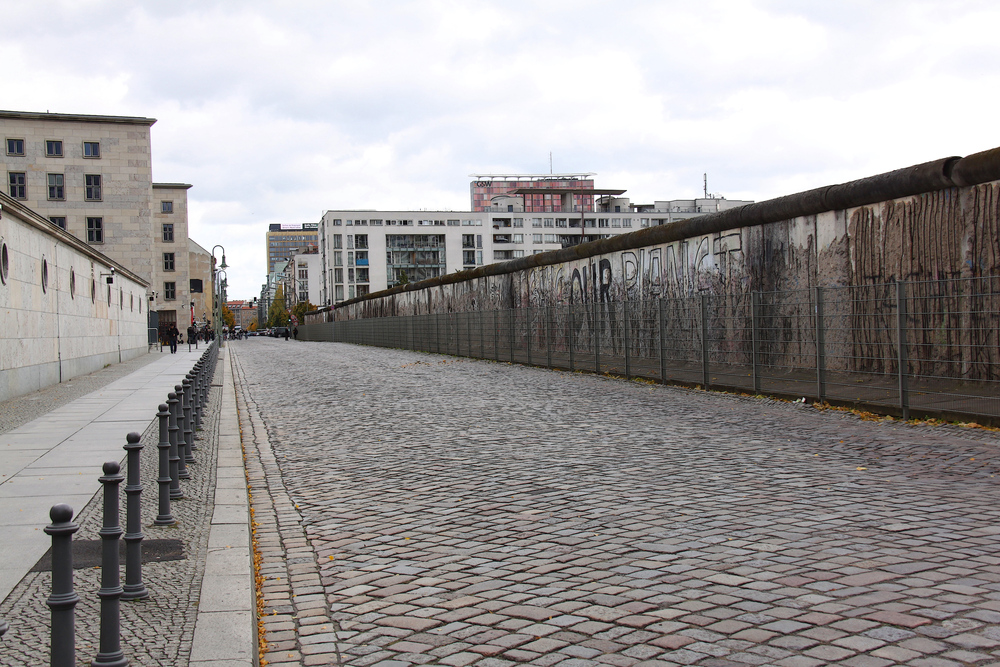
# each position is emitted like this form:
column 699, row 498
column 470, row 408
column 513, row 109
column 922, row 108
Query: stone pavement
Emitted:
column 199, row 606
column 459, row 512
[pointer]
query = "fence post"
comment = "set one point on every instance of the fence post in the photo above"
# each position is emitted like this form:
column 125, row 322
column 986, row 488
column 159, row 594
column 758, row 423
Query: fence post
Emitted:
column 62, row 601
column 548, row 336
column 597, row 337
column 482, row 332
column 820, row 348
column 437, row 332
column 902, row 360
column 571, row 321
column 468, row 333
column 528, row 330
column 164, row 517
column 755, row 339
column 625, row 336
column 511, row 341
column 134, row 589
column 706, row 380
column 110, row 652
column 496, row 334
column 663, row 331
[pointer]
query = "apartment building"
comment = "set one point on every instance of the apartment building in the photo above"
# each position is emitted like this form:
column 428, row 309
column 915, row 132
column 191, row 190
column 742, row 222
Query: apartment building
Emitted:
column 484, row 188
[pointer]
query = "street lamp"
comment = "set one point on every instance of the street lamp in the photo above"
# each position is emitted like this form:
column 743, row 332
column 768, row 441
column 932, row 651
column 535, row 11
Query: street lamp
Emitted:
column 220, row 288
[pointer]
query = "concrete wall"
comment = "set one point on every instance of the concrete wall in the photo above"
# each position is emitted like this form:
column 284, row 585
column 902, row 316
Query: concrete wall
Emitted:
column 936, row 221
column 72, row 324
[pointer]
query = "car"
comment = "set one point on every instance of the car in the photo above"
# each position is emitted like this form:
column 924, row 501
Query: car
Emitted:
column 280, row 332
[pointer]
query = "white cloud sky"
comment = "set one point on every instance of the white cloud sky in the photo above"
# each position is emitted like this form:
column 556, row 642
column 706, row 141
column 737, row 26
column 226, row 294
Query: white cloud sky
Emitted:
column 277, row 111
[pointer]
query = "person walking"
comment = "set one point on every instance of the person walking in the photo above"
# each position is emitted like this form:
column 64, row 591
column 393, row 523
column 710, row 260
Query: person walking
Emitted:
column 295, row 332
column 172, row 334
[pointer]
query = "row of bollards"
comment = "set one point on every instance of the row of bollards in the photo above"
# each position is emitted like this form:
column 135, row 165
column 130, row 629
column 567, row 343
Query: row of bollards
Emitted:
column 179, row 420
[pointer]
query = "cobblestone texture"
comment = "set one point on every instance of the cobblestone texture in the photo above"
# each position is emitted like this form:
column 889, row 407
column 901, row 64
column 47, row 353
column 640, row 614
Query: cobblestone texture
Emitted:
column 464, row 512
column 156, row 631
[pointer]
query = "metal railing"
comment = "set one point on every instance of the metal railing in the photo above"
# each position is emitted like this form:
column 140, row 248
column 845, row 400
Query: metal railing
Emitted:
column 929, row 348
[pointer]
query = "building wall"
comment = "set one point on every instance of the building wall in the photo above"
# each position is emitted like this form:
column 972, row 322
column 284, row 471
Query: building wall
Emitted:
column 283, row 241
column 486, row 186
column 469, row 240
column 76, row 323
column 200, row 268
column 169, row 206
column 124, row 166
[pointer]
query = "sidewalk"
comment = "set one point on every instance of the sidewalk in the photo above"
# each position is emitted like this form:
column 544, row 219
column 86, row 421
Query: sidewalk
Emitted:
column 58, row 457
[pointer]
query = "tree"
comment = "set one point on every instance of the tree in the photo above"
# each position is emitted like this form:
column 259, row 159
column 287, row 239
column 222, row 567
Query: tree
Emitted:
column 277, row 315
column 228, row 319
column 402, row 278
column 300, row 309
column 253, row 325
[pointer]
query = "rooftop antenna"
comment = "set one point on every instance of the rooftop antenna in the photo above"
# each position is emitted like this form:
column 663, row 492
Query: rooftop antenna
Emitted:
column 550, row 163
column 705, row 175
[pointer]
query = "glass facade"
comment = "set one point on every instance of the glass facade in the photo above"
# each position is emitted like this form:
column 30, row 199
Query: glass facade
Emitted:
column 419, row 256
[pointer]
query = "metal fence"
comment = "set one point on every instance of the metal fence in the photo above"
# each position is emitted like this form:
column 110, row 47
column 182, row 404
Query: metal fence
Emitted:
column 923, row 348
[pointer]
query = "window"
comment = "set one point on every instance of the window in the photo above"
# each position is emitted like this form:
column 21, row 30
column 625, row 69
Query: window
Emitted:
column 517, row 253
column 337, row 222
column 518, row 238
column 362, row 290
column 93, row 187
column 166, row 207
column 338, row 275
column 479, row 257
column 536, row 238
column 550, row 238
column 196, row 286
column 479, row 240
column 350, row 240
column 15, row 147
column 338, row 259
column 550, row 222
column 56, row 190
column 536, row 222
column 562, row 222
column 350, row 291
column 362, row 275
column 616, row 222
column 338, row 241
column 168, row 232
column 468, row 240
column 454, row 223
column 350, row 258
column 377, row 223
column 361, row 241
column 168, row 261
column 169, row 291
column 53, row 148
column 519, row 222
column 469, row 257
column 95, row 230
column 4, row 263
column 602, row 222
column 58, row 221
column 626, row 222
column 339, row 293
column 92, row 149
column 18, row 189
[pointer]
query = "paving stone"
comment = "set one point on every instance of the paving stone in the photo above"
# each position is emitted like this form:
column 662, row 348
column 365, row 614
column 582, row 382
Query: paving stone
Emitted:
column 476, row 516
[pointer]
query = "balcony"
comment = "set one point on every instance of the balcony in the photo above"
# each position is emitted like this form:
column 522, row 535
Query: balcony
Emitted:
column 361, row 262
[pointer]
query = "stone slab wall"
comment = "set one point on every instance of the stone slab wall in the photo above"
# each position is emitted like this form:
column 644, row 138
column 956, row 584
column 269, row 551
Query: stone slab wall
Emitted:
column 60, row 318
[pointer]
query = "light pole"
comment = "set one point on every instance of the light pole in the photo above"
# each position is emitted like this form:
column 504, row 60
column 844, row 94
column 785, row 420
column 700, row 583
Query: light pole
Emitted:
column 220, row 288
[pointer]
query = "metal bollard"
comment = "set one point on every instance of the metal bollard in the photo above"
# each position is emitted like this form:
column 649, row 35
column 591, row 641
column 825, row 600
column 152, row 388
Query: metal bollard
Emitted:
column 188, row 422
column 182, row 471
column 62, row 649
column 134, row 589
column 175, row 460
column 198, row 368
column 164, row 517
column 110, row 652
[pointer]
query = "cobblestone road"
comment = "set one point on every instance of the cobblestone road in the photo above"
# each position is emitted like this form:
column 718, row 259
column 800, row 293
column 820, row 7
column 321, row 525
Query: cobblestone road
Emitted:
column 463, row 512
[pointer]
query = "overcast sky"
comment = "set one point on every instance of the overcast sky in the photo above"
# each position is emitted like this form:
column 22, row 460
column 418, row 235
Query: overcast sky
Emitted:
column 278, row 111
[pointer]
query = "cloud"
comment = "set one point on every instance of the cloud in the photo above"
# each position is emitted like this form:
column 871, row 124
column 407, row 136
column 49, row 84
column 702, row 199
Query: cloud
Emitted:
column 277, row 112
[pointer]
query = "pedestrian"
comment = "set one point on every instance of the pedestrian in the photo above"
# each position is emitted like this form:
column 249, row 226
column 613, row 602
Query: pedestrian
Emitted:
column 295, row 332
column 172, row 334
column 286, row 333
column 192, row 335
